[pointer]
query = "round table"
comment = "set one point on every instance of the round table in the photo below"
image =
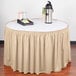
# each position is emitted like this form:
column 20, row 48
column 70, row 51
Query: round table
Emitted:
column 38, row 48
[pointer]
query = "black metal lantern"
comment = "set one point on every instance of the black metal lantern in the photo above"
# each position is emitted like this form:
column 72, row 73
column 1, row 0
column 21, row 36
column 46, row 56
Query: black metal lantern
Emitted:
column 48, row 13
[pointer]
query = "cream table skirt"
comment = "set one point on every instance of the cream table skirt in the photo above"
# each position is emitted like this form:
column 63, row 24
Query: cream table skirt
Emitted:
column 37, row 52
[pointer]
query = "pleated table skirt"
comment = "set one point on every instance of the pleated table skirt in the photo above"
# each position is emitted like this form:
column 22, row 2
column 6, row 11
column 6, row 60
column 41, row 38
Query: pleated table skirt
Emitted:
column 36, row 52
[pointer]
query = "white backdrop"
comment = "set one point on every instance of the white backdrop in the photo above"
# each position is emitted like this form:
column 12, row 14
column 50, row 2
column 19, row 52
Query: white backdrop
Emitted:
column 63, row 9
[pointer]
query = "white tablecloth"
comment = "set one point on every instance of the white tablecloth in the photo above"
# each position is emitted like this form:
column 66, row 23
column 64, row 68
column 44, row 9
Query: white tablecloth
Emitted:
column 38, row 48
column 39, row 26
